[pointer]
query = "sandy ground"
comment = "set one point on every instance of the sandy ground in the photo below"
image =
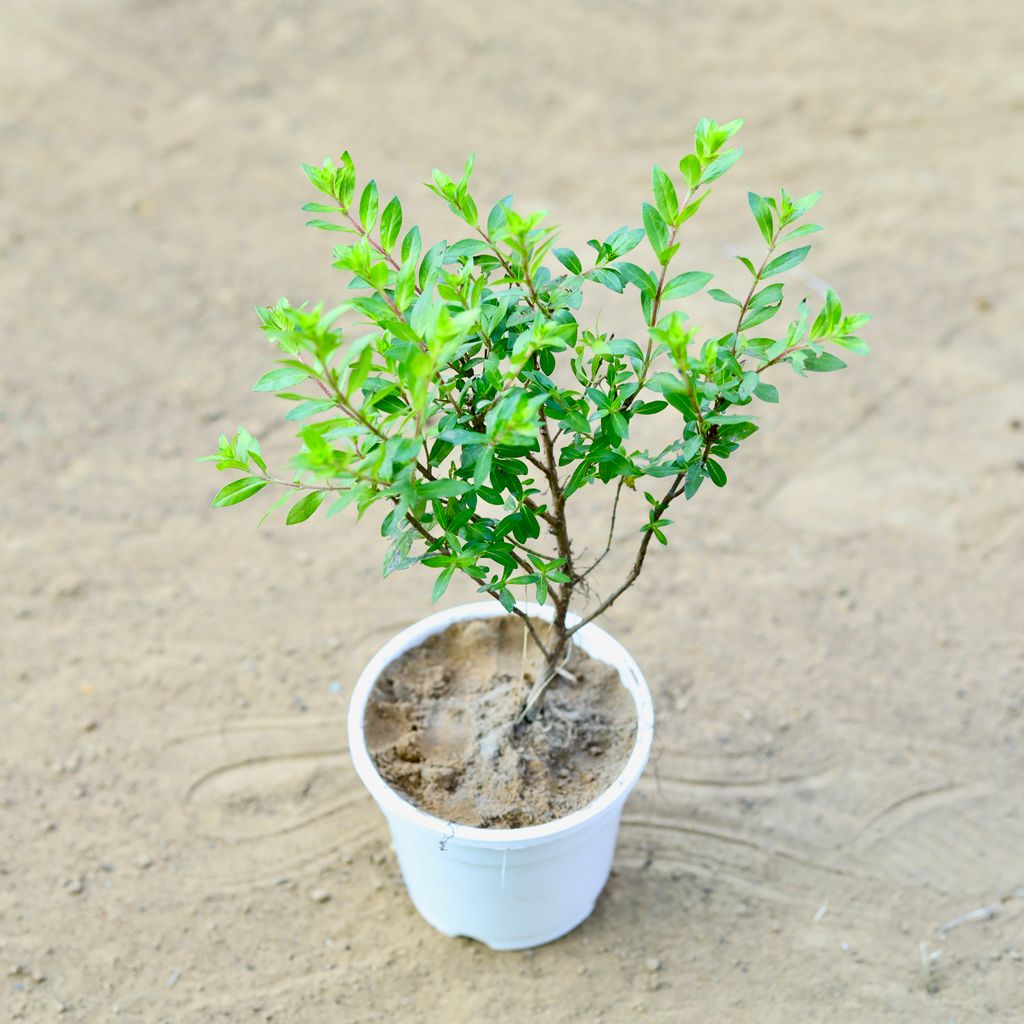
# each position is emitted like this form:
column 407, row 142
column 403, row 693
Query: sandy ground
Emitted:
column 834, row 641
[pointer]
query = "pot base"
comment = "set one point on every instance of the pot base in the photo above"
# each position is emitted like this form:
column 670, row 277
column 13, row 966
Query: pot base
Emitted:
column 510, row 888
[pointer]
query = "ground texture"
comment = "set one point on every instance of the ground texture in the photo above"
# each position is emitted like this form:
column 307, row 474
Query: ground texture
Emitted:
column 834, row 641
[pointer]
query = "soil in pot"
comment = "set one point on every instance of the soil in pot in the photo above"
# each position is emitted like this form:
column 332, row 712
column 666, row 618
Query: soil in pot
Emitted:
column 441, row 727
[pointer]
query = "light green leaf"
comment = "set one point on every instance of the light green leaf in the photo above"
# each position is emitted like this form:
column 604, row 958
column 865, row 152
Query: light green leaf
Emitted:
column 656, row 228
column 238, row 490
column 686, row 284
column 664, row 195
column 390, row 224
column 305, row 507
column 443, row 489
column 368, row 207
column 762, row 214
column 282, row 377
column 720, row 165
column 787, row 261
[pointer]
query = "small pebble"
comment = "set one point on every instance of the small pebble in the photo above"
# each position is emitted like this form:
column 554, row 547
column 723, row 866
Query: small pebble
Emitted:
column 143, row 861
column 653, row 964
column 90, row 725
column 75, row 886
column 320, row 896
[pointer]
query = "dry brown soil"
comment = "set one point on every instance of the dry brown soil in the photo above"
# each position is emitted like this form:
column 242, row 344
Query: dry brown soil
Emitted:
column 834, row 640
column 444, row 726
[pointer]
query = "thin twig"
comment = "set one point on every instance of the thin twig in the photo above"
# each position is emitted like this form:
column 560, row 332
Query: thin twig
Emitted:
column 611, row 532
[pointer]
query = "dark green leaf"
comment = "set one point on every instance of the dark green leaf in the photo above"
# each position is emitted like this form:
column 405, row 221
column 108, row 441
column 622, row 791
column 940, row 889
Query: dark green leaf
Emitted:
column 716, row 473
column 569, row 260
column 441, row 583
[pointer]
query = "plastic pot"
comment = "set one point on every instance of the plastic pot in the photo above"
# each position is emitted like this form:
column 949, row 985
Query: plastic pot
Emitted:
column 510, row 888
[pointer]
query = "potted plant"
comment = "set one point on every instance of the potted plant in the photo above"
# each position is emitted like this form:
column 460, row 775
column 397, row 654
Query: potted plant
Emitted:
column 475, row 405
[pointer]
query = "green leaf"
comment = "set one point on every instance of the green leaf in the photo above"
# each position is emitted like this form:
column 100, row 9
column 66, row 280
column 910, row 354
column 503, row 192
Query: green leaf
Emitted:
column 823, row 363
column 720, row 165
column 326, row 225
column 689, row 167
column 310, row 408
column 766, row 392
column 694, row 478
column 390, row 224
column 282, row 377
column 238, row 490
column 720, row 296
column 305, row 507
column 442, row 489
column 804, row 229
column 633, row 274
column 656, row 228
column 758, row 316
column 664, row 195
column 785, row 262
column 607, row 277
column 412, row 246
column 499, row 215
column 368, row 207
column 762, row 214
column 728, row 418
column 686, row 284
column 441, row 583
column 569, row 260
column 716, row 473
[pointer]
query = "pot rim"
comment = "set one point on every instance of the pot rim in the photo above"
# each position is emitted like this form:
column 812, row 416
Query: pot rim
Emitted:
column 592, row 639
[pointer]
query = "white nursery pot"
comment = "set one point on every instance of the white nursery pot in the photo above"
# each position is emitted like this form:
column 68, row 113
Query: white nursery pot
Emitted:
column 511, row 888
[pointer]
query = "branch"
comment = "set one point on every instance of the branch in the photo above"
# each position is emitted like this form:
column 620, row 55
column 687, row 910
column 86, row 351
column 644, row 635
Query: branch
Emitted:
column 611, row 532
column 638, row 563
